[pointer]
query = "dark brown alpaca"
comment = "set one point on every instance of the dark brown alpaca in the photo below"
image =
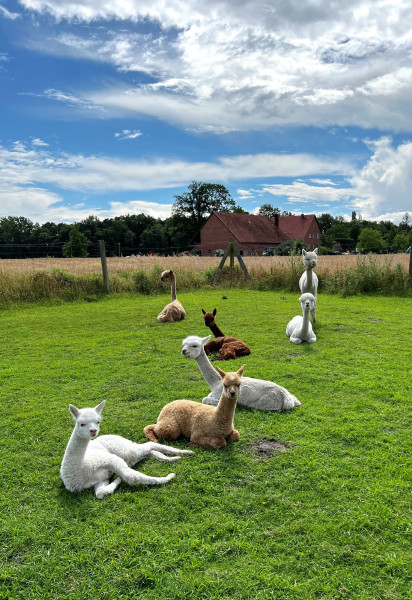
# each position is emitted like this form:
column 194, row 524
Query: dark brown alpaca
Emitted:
column 228, row 347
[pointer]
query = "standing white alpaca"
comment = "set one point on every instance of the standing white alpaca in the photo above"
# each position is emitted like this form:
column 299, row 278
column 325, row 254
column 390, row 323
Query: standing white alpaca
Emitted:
column 308, row 283
column 299, row 329
column 174, row 311
column 254, row 393
column 90, row 462
column 206, row 426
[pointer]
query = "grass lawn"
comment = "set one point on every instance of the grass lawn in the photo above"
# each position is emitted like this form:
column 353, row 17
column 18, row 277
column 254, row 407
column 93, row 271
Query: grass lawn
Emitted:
column 328, row 519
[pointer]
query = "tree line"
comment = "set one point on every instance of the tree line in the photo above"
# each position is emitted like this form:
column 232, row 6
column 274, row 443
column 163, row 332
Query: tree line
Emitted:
column 143, row 234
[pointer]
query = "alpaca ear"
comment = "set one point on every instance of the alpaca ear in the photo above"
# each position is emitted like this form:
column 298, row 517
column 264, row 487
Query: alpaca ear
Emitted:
column 240, row 371
column 100, row 407
column 315, row 251
column 303, row 252
column 214, row 312
column 171, row 272
column 221, row 373
column 74, row 411
column 206, row 339
column 203, row 311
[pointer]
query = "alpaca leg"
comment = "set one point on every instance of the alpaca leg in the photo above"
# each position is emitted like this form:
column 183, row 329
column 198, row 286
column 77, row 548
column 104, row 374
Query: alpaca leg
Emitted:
column 166, row 429
column 132, row 477
column 234, row 436
column 295, row 340
column 208, row 441
column 104, row 488
column 159, row 456
column 170, row 449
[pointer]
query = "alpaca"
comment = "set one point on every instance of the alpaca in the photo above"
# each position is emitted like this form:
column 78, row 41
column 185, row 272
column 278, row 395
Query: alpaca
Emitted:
column 228, row 347
column 174, row 311
column 308, row 282
column 254, row 393
column 206, row 426
column 90, row 462
column 299, row 329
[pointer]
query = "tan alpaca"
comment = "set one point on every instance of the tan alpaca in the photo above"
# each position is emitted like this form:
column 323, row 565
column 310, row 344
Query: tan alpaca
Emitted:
column 174, row 311
column 206, row 426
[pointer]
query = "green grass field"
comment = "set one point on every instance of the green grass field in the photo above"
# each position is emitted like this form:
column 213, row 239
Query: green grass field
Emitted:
column 328, row 519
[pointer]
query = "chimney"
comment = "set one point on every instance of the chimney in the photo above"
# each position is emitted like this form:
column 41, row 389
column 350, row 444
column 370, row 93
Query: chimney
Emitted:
column 276, row 219
column 302, row 216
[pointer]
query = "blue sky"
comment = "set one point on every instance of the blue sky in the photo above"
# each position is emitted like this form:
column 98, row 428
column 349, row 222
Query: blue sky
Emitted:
column 112, row 108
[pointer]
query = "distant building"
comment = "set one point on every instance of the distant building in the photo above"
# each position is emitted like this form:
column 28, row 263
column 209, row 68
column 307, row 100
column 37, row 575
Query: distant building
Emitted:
column 304, row 227
column 253, row 234
column 256, row 234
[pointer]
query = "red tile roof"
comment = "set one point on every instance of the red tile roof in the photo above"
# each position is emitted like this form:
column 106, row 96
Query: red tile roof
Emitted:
column 252, row 228
column 296, row 227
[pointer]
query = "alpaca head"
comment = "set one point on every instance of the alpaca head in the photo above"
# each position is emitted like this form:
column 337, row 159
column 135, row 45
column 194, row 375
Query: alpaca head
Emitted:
column 193, row 345
column 209, row 317
column 307, row 301
column 87, row 420
column 231, row 382
column 310, row 259
column 167, row 276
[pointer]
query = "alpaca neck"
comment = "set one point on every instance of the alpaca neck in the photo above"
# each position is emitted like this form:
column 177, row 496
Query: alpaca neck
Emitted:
column 225, row 410
column 173, row 289
column 309, row 278
column 75, row 449
column 305, row 323
column 217, row 332
column 209, row 373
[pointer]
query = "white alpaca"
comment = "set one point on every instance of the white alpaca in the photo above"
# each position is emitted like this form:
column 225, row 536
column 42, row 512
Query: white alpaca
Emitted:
column 90, row 462
column 254, row 393
column 174, row 311
column 308, row 283
column 299, row 329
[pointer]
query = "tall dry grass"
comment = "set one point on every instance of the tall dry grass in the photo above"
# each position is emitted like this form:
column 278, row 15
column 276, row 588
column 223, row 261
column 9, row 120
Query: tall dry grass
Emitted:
column 68, row 279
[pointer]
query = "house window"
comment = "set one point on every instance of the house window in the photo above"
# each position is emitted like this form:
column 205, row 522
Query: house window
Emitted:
column 317, row 235
column 309, row 236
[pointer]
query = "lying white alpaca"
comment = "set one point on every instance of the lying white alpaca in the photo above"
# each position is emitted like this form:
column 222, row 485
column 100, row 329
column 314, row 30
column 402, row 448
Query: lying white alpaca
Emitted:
column 254, row 393
column 89, row 462
column 299, row 329
column 174, row 311
column 206, row 426
column 308, row 283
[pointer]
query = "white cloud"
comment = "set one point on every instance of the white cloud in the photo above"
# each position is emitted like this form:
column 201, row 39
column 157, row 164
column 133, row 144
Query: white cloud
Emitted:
column 127, row 134
column 246, row 65
column 6, row 14
column 381, row 187
column 38, row 142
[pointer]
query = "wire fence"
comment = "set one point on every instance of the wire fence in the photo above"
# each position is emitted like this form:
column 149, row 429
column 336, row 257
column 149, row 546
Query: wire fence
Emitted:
column 55, row 250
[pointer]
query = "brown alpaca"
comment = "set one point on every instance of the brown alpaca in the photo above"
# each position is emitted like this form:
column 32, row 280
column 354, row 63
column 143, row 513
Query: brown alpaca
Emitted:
column 228, row 347
column 204, row 425
column 174, row 311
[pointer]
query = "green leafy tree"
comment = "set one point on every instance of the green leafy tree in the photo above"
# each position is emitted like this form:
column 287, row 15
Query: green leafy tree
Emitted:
column 16, row 230
column 153, row 238
column 370, row 240
column 77, row 244
column 268, row 210
column 401, row 242
column 291, row 247
column 201, row 200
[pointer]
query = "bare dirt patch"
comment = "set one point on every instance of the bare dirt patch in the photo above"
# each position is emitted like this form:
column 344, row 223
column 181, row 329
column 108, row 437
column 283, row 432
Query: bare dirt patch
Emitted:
column 267, row 448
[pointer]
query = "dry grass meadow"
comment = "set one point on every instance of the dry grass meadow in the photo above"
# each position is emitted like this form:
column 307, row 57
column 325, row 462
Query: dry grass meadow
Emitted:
column 83, row 266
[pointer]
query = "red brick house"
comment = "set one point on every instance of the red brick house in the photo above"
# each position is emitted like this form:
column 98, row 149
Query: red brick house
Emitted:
column 305, row 227
column 254, row 234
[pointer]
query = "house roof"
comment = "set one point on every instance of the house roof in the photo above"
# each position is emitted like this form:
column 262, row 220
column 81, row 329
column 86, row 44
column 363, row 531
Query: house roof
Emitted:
column 252, row 229
column 296, row 226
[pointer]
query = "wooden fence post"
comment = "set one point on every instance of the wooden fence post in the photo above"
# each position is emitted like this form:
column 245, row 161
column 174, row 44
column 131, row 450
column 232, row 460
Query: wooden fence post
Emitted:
column 232, row 251
column 104, row 265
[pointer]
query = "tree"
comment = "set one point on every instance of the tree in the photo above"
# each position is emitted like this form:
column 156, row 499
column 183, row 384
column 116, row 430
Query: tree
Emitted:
column 76, row 247
column 16, row 230
column 268, row 210
column 370, row 240
column 401, row 242
column 291, row 247
column 201, row 200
